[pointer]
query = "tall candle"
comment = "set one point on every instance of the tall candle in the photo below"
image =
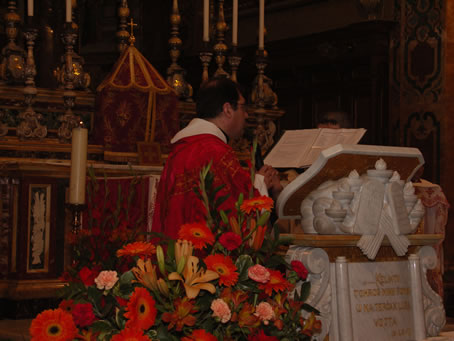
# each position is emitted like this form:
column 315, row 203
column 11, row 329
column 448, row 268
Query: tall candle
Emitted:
column 78, row 166
column 261, row 24
column 30, row 8
column 69, row 13
column 206, row 20
column 235, row 23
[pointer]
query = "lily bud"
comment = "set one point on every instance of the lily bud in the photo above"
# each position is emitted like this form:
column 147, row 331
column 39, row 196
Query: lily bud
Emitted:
column 160, row 258
column 263, row 218
column 224, row 218
column 181, row 264
column 163, row 288
column 235, row 226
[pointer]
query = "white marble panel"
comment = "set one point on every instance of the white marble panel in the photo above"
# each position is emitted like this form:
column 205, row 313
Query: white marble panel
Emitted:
column 381, row 301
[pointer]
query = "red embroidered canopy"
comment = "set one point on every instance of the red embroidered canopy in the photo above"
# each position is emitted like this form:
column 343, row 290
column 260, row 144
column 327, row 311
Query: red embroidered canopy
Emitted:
column 134, row 104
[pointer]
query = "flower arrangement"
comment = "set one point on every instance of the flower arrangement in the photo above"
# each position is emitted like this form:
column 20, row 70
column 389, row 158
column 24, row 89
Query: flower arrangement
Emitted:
column 223, row 279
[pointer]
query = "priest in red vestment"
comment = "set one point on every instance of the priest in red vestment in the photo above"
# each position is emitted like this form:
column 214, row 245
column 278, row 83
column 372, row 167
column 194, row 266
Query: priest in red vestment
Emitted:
column 221, row 116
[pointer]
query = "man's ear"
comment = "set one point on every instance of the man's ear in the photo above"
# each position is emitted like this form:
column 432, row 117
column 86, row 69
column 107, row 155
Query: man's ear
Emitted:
column 227, row 110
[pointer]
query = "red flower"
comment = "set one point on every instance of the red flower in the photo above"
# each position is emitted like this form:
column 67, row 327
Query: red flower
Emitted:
column 259, row 203
column 87, row 275
column 57, row 325
column 137, row 249
column 277, row 283
column 181, row 316
column 83, row 314
column 261, row 336
column 224, row 267
column 230, row 240
column 199, row 335
column 130, row 334
column 66, row 305
column 141, row 310
column 197, row 233
column 300, row 269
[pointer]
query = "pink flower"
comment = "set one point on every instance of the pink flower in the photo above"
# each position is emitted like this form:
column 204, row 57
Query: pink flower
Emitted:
column 259, row 273
column 264, row 312
column 221, row 310
column 106, row 280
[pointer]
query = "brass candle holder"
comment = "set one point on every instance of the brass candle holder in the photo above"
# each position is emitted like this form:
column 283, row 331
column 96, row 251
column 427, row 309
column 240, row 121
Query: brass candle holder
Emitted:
column 76, row 224
column 205, row 58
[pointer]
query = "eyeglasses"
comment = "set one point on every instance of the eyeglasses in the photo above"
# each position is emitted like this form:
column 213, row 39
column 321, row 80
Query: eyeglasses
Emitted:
column 241, row 105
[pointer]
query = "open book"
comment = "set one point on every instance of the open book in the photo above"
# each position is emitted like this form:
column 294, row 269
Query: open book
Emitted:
column 300, row 148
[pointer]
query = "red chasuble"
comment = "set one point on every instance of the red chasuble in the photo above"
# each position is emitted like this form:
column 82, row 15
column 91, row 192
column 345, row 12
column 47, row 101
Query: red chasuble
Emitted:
column 176, row 202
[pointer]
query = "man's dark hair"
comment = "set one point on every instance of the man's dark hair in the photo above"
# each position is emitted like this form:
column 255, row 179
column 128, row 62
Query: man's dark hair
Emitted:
column 335, row 117
column 213, row 94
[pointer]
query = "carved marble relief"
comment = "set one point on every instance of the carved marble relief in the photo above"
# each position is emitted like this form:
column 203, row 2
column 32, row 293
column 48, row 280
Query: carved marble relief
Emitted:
column 373, row 205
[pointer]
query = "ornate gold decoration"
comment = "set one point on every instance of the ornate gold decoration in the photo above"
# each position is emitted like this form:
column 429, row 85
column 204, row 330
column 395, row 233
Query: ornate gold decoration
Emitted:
column 220, row 48
column 29, row 126
column 175, row 73
column 13, row 62
column 123, row 34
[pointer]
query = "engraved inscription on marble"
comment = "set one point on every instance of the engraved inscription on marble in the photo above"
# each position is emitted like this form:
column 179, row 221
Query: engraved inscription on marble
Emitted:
column 380, row 295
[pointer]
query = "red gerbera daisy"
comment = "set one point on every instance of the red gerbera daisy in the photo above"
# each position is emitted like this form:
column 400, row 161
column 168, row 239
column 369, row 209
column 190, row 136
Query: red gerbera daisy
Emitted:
column 130, row 334
column 141, row 310
column 277, row 283
column 200, row 335
column 230, row 240
column 137, row 249
column 57, row 325
column 66, row 305
column 197, row 233
column 223, row 265
column 258, row 203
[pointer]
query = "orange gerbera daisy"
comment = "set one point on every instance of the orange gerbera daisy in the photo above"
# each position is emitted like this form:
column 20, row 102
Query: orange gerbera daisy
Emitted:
column 130, row 334
column 197, row 233
column 224, row 267
column 258, row 203
column 200, row 335
column 277, row 283
column 137, row 249
column 141, row 310
column 57, row 325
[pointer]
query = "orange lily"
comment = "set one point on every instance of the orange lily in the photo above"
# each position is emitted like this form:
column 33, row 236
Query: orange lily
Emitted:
column 195, row 279
column 145, row 273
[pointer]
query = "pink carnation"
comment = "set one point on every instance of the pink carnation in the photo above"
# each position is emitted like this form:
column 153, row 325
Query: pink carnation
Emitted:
column 106, row 280
column 259, row 273
column 264, row 312
column 221, row 310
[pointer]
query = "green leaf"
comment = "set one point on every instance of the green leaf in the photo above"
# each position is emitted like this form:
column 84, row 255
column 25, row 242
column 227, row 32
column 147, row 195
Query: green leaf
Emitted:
column 243, row 263
column 305, row 291
column 101, row 326
column 127, row 277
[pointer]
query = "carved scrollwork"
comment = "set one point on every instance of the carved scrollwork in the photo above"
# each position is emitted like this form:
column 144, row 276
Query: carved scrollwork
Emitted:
column 435, row 316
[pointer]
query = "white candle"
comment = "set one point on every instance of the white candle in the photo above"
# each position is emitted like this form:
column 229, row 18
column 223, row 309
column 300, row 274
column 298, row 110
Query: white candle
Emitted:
column 78, row 166
column 261, row 24
column 206, row 20
column 30, row 8
column 69, row 13
column 235, row 23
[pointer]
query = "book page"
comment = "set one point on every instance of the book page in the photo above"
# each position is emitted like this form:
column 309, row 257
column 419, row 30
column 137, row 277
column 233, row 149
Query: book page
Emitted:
column 292, row 148
column 300, row 148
